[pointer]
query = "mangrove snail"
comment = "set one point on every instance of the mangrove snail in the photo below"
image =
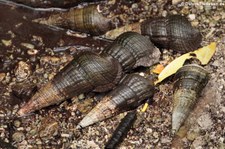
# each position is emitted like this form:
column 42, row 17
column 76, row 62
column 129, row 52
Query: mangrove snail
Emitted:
column 173, row 32
column 132, row 49
column 87, row 72
column 87, row 20
column 129, row 94
column 93, row 72
column 189, row 82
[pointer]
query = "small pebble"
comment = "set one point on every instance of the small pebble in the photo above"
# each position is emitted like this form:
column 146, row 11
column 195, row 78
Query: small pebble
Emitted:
column 22, row 71
column 7, row 43
column 191, row 16
column 27, row 45
column 174, row 2
column 81, row 96
column 32, row 52
column 2, row 76
column 134, row 6
column 17, row 123
column 18, row 136
column 164, row 13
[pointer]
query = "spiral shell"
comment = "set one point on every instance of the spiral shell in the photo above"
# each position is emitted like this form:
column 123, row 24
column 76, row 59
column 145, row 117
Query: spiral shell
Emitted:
column 95, row 72
column 189, row 82
column 173, row 32
column 132, row 49
column 87, row 72
column 87, row 20
column 130, row 93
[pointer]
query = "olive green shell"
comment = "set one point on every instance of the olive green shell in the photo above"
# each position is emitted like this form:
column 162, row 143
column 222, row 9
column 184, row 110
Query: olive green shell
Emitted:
column 86, row 20
column 189, row 82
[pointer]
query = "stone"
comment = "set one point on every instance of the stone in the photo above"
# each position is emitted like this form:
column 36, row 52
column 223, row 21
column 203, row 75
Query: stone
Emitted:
column 18, row 136
column 22, row 71
column 205, row 121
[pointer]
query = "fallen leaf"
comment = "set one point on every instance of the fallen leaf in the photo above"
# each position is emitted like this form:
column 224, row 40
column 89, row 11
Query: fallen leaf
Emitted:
column 173, row 67
column 205, row 54
column 158, row 69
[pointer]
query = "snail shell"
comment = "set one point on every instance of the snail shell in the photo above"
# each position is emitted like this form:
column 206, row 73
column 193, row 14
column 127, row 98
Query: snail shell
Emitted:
column 189, row 82
column 87, row 20
column 130, row 93
column 132, row 49
column 87, row 72
column 174, row 32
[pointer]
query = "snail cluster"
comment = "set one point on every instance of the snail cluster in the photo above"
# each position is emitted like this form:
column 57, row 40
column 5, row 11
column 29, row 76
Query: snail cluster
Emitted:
column 109, row 70
column 90, row 71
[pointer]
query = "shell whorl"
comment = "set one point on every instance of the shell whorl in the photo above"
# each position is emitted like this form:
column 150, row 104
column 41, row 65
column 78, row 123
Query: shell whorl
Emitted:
column 189, row 82
column 130, row 93
column 87, row 72
column 174, row 32
column 89, row 20
column 132, row 49
column 86, row 20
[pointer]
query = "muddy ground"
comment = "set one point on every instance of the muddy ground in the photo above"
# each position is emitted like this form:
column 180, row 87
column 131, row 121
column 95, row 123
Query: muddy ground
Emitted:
column 31, row 54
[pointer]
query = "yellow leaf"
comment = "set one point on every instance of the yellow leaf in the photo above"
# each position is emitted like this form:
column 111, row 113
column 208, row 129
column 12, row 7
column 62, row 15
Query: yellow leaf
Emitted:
column 205, row 54
column 173, row 67
column 158, row 69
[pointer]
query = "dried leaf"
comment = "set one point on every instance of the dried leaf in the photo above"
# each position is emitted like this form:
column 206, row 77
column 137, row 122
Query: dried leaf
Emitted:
column 205, row 54
column 158, row 69
column 173, row 67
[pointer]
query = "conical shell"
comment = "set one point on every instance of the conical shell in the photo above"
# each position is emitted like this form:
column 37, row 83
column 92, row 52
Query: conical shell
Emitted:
column 87, row 20
column 87, row 72
column 189, row 82
column 130, row 93
column 132, row 49
column 173, row 32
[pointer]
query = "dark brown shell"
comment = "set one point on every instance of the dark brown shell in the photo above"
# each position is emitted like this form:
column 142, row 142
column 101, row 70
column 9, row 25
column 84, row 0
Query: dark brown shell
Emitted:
column 87, row 72
column 130, row 93
column 173, row 32
column 132, row 49
column 86, row 20
column 189, row 82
